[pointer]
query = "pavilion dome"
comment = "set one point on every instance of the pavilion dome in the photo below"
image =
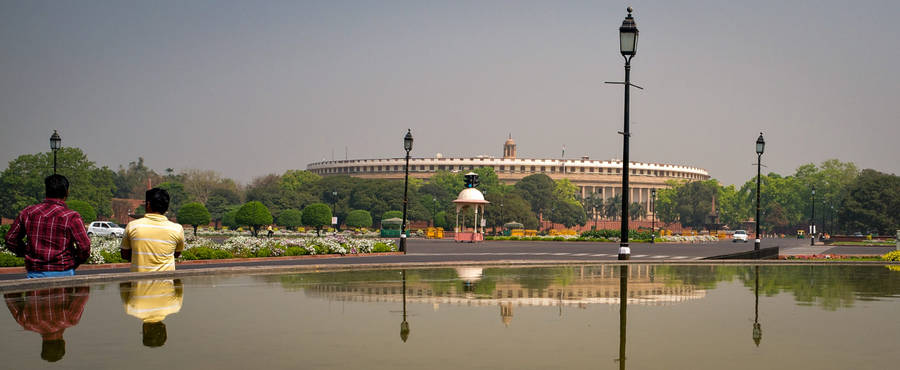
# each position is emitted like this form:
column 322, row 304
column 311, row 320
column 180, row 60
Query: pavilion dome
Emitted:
column 470, row 195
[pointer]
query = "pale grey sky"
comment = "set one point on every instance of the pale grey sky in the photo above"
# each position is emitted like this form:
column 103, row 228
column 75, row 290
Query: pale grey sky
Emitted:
column 253, row 87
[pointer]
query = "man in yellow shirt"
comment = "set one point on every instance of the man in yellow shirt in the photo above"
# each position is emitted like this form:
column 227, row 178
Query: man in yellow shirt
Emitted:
column 153, row 242
column 151, row 301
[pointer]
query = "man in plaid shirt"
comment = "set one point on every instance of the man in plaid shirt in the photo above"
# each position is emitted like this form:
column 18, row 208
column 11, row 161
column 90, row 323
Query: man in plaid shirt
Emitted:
column 57, row 241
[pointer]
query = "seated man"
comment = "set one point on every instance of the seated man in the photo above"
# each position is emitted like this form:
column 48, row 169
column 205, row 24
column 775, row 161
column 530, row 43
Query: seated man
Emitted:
column 57, row 242
column 153, row 242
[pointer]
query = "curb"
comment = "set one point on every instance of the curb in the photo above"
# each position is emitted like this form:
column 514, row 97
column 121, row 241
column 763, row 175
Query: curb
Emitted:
column 106, row 266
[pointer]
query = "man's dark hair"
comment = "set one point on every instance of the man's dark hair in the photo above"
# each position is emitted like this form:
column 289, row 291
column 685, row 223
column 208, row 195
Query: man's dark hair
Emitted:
column 53, row 350
column 158, row 199
column 154, row 334
column 56, row 186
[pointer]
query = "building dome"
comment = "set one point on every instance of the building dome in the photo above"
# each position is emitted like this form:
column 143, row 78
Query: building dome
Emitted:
column 510, row 142
column 470, row 195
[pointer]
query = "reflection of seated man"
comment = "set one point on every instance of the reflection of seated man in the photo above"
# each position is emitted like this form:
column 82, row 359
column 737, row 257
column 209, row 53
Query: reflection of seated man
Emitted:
column 151, row 301
column 49, row 312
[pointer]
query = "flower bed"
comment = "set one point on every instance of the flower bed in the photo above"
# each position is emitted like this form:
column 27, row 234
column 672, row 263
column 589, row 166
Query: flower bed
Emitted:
column 661, row 239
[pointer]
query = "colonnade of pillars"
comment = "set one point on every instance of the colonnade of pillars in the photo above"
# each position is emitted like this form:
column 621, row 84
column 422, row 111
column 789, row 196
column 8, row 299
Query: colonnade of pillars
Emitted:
column 637, row 194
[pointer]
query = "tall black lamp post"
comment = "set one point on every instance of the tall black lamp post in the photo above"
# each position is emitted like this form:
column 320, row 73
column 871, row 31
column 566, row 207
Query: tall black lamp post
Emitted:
column 653, row 216
column 334, row 208
column 628, row 38
column 760, row 148
column 433, row 211
column 55, row 141
column 407, row 145
column 812, row 220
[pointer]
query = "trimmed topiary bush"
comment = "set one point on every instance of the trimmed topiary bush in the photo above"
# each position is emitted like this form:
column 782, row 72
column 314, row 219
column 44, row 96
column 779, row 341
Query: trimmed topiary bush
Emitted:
column 290, row 218
column 194, row 214
column 359, row 218
column 87, row 212
column 317, row 215
column 253, row 214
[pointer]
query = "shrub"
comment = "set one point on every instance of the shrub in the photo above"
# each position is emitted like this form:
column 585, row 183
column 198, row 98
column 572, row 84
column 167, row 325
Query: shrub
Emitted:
column 87, row 212
column 253, row 214
column 381, row 247
column 317, row 215
column 359, row 218
column 290, row 218
column 891, row 256
column 8, row 259
column 205, row 253
column 295, row 251
column 112, row 256
column 194, row 214
column 391, row 214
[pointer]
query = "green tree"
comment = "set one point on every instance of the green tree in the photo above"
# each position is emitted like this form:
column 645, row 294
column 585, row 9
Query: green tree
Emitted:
column 23, row 181
column 538, row 190
column 568, row 213
column 317, row 215
column 253, row 214
column 194, row 214
column 87, row 212
column 177, row 196
column 229, row 219
column 359, row 218
column 290, row 218
column 637, row 211
column 298, row 180
column 440, row 220
column 613, row 207
column 131, row 182
column 872, row 203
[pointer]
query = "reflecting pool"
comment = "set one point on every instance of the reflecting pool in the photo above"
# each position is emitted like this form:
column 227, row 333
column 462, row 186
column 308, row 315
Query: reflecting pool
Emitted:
column 634, row 317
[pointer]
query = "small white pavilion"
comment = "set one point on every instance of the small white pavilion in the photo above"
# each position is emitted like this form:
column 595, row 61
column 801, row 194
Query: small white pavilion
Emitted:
column 472, row 198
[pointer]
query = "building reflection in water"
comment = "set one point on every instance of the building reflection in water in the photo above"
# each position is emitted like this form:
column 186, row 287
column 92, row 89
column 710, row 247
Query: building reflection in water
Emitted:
column 576, row 287
column 49, row 312
column 151, row 301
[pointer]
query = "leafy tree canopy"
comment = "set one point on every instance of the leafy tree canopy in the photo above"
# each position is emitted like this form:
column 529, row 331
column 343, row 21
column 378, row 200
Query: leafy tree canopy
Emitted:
column 359, row 218
column 87, row 212
column 194, row 214
column 317, row 215
column 253, row 214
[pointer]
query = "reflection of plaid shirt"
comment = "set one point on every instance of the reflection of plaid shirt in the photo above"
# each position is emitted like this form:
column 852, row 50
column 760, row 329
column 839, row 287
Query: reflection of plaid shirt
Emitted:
column 53, row 231
column 48, row 312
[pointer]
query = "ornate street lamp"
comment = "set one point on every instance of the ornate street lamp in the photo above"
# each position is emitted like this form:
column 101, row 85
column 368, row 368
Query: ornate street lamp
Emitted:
column 628, row 37
column 760, row 147
column 407, row 145
column 55, row 141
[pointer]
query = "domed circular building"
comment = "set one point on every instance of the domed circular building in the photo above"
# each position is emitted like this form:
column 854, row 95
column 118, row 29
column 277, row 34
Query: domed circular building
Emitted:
column 600, row 178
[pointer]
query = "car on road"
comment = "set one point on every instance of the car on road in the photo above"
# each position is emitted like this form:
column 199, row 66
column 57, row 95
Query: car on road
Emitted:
column 105, row 228
column 740, row 235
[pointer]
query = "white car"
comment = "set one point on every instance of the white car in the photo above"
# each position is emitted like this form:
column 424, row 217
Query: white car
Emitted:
column 105, row 228
column 740, row 235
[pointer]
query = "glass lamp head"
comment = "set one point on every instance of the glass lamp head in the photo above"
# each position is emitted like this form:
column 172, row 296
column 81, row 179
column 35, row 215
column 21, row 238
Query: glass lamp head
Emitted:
column 628, row 36
column 55, row 140
column 408, row 140
column 760, row 144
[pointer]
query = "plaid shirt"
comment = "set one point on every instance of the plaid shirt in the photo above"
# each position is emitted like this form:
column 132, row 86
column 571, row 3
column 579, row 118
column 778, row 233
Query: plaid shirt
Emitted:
column 57, row 240
column 48, row 312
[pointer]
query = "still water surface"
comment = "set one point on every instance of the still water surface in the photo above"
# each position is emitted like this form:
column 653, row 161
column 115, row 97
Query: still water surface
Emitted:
column 670, row 317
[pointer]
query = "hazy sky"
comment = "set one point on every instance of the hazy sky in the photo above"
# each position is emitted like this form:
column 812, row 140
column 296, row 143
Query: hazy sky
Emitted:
column 248, row 88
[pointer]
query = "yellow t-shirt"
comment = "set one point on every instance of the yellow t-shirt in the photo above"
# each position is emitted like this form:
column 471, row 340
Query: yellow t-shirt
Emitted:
column 153, row 300
column 153, row 241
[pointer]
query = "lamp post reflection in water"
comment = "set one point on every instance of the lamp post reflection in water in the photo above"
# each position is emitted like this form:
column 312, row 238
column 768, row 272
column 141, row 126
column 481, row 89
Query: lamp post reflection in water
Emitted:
column 757, row 329
column 623, row 313
column 404, row 326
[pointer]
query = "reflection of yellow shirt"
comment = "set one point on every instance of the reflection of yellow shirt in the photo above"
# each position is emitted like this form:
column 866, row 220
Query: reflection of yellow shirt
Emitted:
column 153, row 300
column 153, row 241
